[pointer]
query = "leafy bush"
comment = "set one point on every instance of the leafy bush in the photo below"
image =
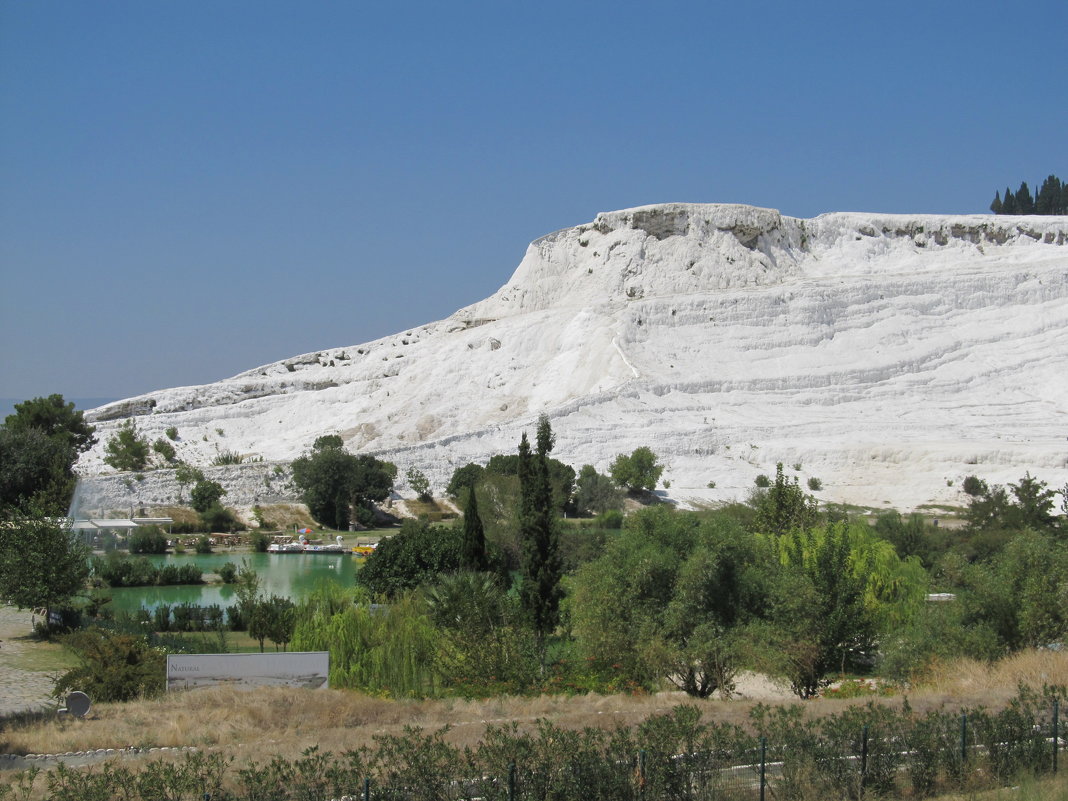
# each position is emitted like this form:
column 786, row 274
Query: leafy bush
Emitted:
column 114, row 667
column 172, row 433
column 228, row 573
column 126, row 449
column 762, row 481
column 164, row 449
column 203, row 545
column 815, row 484
column 148, row 539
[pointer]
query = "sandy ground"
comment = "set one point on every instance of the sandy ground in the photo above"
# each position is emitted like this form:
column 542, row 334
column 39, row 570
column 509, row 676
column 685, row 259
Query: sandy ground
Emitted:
column 21, row 688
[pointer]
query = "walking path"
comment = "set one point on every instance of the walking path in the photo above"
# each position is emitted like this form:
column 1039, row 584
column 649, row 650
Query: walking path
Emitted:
column 26, row 680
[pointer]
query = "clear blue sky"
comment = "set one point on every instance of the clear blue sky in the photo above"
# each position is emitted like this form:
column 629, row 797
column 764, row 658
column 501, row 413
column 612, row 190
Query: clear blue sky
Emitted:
column 192, row 189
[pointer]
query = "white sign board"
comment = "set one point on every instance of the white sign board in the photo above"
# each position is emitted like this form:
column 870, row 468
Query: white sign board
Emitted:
column 309, row 669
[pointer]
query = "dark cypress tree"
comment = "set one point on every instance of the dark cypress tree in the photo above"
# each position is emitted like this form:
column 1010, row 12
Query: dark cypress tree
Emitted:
column 1008, row 205
column 1064, row 198
column 1025, row 204
column 995, row 205
column 473, row 554
column 541, row 565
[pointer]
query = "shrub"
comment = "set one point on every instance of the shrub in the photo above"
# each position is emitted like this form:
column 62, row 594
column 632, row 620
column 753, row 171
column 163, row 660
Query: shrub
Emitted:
column 762, row 481
column 164, row 449
column 203, row 545
column 172, row 433
column 228, row 573
column 260, row 541
column 114, row 667
column 148, row 539
column 815, row 484
column 974, row 486
column 227, row 457
column 127, row 450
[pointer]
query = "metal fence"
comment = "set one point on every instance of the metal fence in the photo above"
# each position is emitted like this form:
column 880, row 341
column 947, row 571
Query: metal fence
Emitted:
column 868, row 751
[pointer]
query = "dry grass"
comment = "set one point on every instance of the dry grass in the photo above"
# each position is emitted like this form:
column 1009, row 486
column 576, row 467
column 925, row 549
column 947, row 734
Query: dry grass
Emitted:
column 285, row 721
column 998, row 680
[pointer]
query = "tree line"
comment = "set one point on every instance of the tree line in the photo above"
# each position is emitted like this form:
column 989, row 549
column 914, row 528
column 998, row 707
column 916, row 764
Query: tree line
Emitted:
column 1051, row 198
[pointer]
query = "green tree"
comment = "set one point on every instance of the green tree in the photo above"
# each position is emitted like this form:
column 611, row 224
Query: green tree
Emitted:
column 1021, row 594
column 995, row 204
column 41, row 563
column 783, row 506
column 418, row 554
column 463, row 478
column 1048, row 200
column 473, row 553
column 1008, row 204
column 1025, row 204
column 35, row 471
column 54, row 418
column 206, row 493
column 540, row 564
column 333, row 481
column 39, row 445
column 841, row 587
column 419, row 483
column 1034, row 504
column 185, row 475
column 636, row 472
column 126, row 450
column 672, row 598
column 596, row 493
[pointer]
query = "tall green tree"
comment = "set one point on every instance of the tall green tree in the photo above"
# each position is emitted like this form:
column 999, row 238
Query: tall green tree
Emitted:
column 333, row 481
column 39, row 445
column 55, row 418
column 1008, row 205
column 41, row 563
column 995, row 204
column 540, row 562
column 1025, row 204
column 473, row 553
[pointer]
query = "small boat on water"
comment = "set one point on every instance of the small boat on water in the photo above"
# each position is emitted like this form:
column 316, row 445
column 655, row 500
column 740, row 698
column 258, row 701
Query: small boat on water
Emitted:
column 285, row 547
column 304, row 546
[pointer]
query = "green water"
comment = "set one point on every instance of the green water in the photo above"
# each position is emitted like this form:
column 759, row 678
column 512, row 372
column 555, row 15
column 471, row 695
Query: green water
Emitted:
column 289, row 575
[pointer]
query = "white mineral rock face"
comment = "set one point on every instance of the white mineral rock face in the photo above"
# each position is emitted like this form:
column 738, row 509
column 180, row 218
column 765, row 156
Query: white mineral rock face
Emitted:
column 888, row 355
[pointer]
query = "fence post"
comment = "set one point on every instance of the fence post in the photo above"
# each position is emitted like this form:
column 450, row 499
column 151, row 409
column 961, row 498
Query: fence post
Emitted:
column 963, row 738
column 641, row 773
column 511, row 781
column 863, row 759
column 366, row 788
column 763, row 765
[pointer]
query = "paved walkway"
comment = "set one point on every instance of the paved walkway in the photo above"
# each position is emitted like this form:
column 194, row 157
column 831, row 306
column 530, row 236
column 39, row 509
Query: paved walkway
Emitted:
column 21, row 688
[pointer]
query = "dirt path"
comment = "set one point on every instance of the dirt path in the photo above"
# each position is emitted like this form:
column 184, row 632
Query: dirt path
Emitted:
column 28, row 667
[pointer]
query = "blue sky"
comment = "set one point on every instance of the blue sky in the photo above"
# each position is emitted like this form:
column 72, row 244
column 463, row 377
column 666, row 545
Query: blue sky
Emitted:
column 192, row 189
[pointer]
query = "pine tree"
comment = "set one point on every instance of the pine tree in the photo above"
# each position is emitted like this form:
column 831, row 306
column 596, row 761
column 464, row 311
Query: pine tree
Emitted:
column 1048, row 196
column 1025, row 204
column 995, row 206
column 1008, row 205
column 541, row 566
column 473, row 554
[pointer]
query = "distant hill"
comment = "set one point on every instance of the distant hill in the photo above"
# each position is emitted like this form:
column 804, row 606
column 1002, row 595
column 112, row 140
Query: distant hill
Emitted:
column 888, row 356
